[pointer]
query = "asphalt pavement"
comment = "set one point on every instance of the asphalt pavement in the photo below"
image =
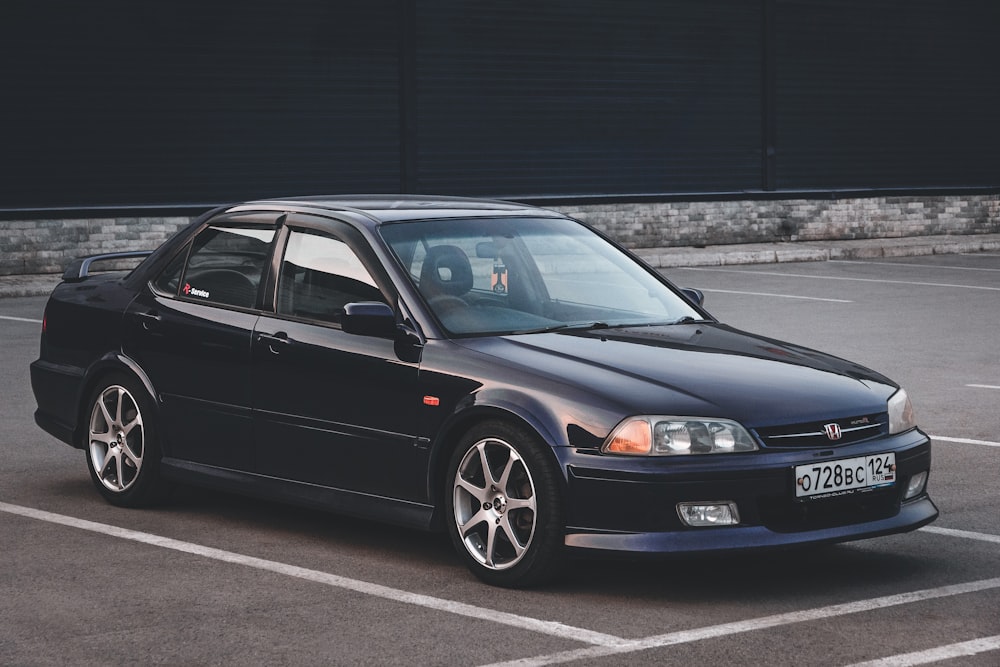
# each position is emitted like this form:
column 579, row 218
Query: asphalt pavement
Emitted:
column 216, row 579
column 717, row 255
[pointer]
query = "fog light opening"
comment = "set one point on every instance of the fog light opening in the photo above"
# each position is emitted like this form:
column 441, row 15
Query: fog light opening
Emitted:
column 716, row 513
column 916, row 485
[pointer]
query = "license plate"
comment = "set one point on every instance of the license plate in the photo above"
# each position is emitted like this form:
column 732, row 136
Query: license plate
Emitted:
column 844, row 476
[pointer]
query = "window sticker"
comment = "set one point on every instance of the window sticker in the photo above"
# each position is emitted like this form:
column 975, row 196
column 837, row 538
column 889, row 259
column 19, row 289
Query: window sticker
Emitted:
column 194, row 291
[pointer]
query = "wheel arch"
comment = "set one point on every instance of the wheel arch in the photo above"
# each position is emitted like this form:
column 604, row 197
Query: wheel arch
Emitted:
column 109, row 364
column 546, row 427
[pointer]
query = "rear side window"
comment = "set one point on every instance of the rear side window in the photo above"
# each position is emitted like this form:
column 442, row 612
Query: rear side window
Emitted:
column 223, row 265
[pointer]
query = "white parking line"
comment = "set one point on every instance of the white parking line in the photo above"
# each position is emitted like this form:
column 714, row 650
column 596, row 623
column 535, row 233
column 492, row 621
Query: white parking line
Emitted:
column 964, row 534
column 601, row 644
column 983, row 386
column 859, row 280
column 965, row 441
column 550, row 628
column 781, row 296
column 919, row 266
column 972, row 647
column 763, row 623
column 19, row 319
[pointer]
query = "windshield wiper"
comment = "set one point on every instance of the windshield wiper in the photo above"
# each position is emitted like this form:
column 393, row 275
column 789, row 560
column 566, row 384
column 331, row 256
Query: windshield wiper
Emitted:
column 592, row 326
column 568, row 326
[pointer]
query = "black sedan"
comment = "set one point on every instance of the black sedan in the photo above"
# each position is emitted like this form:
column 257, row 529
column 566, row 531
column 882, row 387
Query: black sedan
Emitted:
column 497, row 371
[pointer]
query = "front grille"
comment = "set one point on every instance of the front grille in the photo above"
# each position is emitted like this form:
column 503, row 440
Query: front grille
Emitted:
column 787, row 516
column 814, row 434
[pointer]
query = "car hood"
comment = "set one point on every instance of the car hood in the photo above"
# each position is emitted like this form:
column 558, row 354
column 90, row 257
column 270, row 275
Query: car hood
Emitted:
column 700, row 369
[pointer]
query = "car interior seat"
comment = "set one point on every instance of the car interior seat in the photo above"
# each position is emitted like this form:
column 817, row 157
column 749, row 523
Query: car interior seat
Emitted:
column 446, row 272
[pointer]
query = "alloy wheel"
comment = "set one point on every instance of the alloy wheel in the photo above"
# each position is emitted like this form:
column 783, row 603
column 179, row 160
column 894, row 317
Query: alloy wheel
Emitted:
column 494, row 504
column 116, row 441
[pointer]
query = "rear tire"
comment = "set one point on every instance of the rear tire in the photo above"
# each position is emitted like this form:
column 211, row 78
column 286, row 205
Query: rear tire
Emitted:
column 505, row 506
column 120, row 443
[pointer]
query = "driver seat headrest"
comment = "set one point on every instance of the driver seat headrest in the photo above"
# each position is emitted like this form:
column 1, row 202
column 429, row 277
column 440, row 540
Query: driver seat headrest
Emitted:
column 446, row 270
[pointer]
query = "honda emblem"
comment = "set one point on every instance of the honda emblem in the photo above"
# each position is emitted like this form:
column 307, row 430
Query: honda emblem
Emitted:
column 832, row 431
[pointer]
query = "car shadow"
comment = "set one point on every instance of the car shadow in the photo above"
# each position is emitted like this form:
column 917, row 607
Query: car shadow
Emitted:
column 773, row 575
column 302, row 522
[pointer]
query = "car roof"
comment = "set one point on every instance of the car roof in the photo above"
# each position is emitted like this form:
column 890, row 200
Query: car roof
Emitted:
column 401, row 208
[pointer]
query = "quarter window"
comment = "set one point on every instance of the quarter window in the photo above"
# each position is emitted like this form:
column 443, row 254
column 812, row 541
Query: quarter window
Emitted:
column 319, row 276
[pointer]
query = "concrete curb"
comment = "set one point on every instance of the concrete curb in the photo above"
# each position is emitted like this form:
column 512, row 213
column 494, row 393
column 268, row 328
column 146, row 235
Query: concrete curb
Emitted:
column 818, row 251
column 666, row 258
column 21, row 286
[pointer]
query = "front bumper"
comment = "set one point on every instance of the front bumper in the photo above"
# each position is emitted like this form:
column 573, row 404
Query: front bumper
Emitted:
column 626, row 505
column 912, row 515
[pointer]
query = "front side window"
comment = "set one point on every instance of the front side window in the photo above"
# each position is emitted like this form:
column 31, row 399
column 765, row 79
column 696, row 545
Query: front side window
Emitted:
column 319, row 276
column 223, row 265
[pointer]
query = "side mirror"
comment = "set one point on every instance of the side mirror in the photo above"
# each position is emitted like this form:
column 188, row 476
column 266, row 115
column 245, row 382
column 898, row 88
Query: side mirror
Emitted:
column 369, row 318
column 695, row 296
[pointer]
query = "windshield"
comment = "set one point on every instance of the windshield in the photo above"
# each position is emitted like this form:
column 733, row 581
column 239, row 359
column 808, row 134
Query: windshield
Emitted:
column 520, row 275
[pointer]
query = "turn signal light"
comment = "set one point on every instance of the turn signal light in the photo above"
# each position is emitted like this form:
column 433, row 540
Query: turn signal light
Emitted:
column 633, row 438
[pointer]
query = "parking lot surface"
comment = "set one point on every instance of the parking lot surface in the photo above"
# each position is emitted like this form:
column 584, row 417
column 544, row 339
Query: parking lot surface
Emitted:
column 215, row 579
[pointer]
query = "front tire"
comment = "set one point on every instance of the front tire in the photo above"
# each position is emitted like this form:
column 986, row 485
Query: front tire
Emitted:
column 505, row 506
column 120, row 444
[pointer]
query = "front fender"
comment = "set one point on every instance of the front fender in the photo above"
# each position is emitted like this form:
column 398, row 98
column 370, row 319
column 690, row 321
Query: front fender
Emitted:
column 553, row 423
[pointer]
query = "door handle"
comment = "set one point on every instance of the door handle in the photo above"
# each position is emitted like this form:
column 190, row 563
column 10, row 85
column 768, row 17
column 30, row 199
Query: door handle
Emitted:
column 274, row 341
column 149, row 320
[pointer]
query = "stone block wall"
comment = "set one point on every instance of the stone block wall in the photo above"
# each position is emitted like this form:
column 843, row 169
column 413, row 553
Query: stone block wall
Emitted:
column 664, row 224
column 46, row 246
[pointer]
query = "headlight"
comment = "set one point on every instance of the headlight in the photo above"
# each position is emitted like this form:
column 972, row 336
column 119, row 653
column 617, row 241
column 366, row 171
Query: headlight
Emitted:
column 673, row 436
column 901, row 413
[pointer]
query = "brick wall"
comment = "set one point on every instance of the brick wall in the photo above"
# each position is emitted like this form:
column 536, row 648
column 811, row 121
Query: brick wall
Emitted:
column 46, row 246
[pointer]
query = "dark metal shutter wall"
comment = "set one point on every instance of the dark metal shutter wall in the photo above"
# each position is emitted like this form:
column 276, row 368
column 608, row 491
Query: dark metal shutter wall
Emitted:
column 136, row 102
column 149, row 103
column 562, row 98
column 887, row 94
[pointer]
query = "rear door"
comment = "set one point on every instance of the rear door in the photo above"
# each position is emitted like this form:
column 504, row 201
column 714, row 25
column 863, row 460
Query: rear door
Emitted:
column 191, row 329
column 332, row 408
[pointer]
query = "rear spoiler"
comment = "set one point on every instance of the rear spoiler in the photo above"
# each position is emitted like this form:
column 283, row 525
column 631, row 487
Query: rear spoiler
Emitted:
column 79, row 268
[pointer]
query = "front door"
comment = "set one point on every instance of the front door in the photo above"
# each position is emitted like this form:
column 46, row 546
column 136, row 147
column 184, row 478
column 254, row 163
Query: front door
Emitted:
column 331, row 408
